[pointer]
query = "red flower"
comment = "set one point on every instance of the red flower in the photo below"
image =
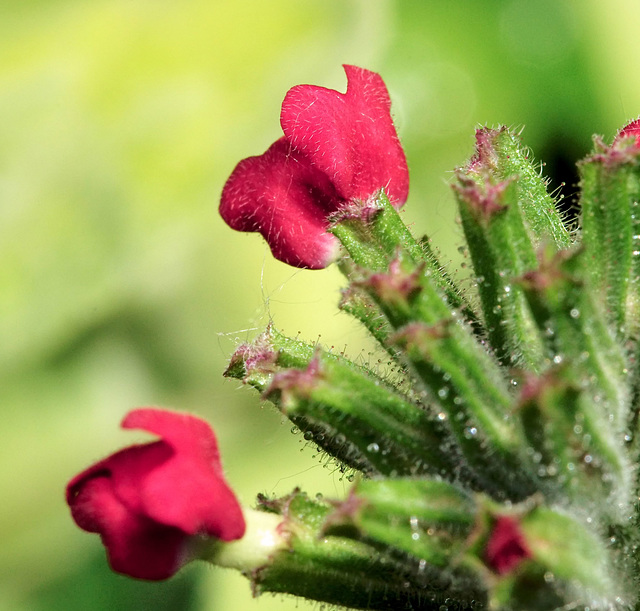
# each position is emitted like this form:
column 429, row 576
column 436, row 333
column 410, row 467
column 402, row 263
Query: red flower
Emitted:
column 337, row 147
column 506, row 547
column 633, row 129
column 148, row 501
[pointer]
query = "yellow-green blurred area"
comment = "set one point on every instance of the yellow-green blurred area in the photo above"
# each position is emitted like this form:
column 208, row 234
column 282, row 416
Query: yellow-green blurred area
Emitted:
column 120, row 286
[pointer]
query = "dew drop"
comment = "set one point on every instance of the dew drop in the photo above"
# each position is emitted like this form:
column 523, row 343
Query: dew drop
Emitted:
column 443, row 393
column 373, row 447
column 574, row 313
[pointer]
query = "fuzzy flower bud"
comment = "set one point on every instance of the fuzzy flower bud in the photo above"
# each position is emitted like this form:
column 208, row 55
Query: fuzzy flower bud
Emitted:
column 506, row 547
column 632, row 129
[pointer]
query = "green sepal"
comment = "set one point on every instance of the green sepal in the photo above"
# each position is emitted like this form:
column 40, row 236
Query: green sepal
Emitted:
column 573, row 446
column 575, row 331
column 500, row 156
column 348, row 411
column 357, row 302
column 429, row 520
column 476, row 408
column 363, row 422
column 458, row 375
column 610, row 219
column 501, row 249
column 373, row 234
column 335, row 569
column 570, row 551
column 547, row 555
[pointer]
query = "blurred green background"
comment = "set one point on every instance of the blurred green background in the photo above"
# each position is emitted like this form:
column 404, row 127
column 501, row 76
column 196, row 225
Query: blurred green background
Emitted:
column 120, row 286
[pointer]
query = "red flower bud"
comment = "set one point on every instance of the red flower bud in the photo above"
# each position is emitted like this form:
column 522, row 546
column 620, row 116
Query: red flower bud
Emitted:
column 148, row 501
column 337, row 147
column 506, row 547
column 632, row 129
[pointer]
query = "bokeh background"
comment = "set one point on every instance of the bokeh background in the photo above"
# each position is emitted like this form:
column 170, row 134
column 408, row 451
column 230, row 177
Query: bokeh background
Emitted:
column 120, row 286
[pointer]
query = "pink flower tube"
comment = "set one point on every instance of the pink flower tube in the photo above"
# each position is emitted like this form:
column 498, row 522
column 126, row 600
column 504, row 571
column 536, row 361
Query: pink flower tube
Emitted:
column 337, row 147
column 149, row 502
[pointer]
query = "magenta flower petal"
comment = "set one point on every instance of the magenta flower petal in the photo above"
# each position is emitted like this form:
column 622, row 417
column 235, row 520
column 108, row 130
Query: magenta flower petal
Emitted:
column 136, row 546
column 632, row 129
column 183, row 432
column 146, row 501
column 506, row 547
column 337, row 148
column 284, row 197
column 349, row 136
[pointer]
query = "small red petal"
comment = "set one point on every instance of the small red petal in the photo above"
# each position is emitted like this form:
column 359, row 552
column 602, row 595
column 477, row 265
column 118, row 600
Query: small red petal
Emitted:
column 136, row 546
column 506, row 547
column 147, row 500
column 284, row 197
column 183, row 432
column 632, row 129
column 350, row 137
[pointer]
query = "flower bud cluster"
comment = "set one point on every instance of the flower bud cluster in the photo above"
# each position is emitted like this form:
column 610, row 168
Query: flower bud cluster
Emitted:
column 498, row 472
